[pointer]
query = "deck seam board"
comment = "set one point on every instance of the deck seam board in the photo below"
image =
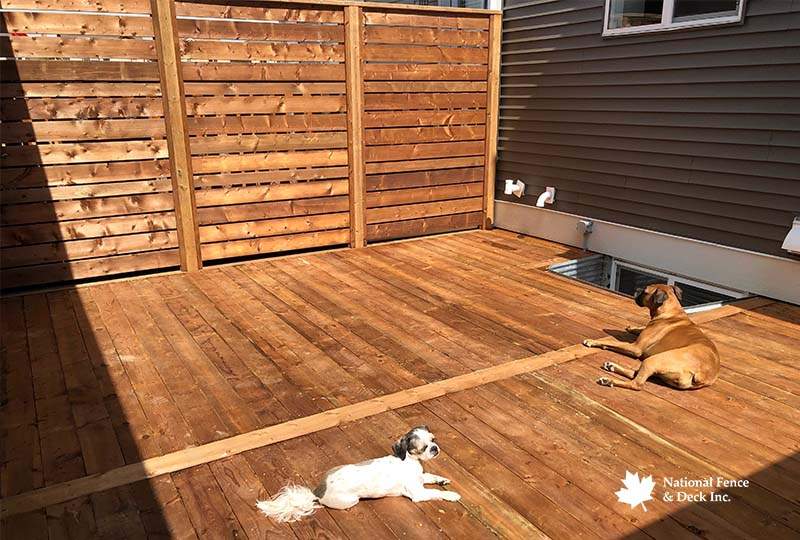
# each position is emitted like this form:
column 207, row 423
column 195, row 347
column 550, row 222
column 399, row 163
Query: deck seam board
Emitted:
column 183, row 459
column 186, row 458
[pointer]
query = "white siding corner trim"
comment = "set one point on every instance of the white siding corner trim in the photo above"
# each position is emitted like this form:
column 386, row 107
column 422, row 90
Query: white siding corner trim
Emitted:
column 766, row 275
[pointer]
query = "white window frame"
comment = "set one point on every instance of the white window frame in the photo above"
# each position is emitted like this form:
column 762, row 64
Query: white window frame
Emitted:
column 668, row 24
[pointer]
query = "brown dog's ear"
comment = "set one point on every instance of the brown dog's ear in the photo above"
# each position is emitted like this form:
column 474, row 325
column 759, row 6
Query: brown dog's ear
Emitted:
column 659, row 297
column 678, row 292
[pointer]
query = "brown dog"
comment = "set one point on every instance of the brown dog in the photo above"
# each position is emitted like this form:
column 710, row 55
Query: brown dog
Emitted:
column 671, row 346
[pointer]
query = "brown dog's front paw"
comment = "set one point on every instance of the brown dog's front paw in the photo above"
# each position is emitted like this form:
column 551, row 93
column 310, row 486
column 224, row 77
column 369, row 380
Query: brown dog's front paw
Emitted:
column 589, row 343
column 608, row 366
column 605, row 381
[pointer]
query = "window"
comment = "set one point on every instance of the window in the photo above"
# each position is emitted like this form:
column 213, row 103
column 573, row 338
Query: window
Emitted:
column 638, row 16
column 627, row 277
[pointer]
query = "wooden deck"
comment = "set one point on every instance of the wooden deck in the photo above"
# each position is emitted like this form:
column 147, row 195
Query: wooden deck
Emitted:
column 101, row 377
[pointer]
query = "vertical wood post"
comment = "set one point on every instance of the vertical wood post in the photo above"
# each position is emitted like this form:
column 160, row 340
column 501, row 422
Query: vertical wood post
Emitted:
column 492, row 114
column 180, row 158
column 355, row 131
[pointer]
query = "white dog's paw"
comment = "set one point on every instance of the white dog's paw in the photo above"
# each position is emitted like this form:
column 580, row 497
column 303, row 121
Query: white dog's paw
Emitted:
column 451, row 496
column 605, row 381
column 442, row 482
column 609, row 366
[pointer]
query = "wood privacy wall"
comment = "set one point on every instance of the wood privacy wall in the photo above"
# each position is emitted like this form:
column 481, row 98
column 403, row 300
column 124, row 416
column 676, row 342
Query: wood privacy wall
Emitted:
column 289, row 126
column 85, row 176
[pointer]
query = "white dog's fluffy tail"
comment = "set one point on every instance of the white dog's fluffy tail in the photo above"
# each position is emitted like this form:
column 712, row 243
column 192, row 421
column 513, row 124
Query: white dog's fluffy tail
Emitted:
column 290, row 504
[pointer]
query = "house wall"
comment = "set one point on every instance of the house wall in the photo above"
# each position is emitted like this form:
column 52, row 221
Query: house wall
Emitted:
column 694, row 133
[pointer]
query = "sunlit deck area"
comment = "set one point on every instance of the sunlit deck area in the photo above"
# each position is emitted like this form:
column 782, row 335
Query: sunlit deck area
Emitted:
column 104, row 377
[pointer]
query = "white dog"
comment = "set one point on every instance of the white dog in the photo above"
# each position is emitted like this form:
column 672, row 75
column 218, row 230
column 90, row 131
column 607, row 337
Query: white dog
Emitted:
column 389, row 476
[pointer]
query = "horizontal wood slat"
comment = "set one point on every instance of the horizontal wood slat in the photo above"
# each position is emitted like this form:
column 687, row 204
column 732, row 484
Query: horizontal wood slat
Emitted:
column 21, row 22
column 84, row 70
column 261, row 31
column 377, row 119
column 425, row 72
column 424, row 178
column 85, row 162
column 383, row 102
column 425, row 54
column 277, row 52
column 424, row 134
column 239, row 195
column 432, row 21
column 426, row 82
column 74, row 47
column 232, row 124
column 318, row 14
column 86, row 188
column 269, row 160
column 425, row 36
column 422, row 226
column 80, row 108
column 271, row 130
column 272, row 244
column 273, row 227
column 428, row 209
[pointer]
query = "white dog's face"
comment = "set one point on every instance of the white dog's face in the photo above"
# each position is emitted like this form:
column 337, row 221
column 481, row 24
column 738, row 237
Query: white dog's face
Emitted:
column 419, row 443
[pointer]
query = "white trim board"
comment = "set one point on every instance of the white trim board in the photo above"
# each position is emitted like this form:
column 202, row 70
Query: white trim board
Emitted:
column 767, row 275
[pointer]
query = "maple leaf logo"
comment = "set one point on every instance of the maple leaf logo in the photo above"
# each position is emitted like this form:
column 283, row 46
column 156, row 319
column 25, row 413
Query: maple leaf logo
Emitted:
column 636, row 491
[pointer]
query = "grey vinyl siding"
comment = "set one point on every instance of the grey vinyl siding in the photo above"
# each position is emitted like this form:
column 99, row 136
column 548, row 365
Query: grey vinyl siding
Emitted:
column 690, row 132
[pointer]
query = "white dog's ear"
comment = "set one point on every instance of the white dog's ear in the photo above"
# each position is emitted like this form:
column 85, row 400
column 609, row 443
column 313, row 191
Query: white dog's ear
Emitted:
column 400, row 448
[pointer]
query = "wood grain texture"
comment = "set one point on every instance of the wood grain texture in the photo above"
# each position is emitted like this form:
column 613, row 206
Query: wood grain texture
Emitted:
column 284, row 111
column 177, row 133
column 310, row 333
column 235, row 445
column 492, row 117
column 355, row 128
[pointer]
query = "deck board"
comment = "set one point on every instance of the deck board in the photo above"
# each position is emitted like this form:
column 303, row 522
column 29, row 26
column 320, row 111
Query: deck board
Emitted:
column 116, row 373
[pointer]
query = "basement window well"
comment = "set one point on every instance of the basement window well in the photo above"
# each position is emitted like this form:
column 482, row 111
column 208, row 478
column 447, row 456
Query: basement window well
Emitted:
column 625, row 277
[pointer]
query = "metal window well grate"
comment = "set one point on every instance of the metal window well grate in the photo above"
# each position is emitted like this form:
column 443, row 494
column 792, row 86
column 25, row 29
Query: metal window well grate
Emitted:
column 625, row 277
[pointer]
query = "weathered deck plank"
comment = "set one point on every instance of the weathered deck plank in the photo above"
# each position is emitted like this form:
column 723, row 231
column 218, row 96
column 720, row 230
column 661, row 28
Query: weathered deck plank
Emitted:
column 117, row 373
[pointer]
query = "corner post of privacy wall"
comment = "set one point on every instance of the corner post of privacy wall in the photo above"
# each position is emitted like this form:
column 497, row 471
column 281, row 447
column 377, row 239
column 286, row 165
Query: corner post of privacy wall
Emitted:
column 180, row 159
column 355, row 132
column 492, row 113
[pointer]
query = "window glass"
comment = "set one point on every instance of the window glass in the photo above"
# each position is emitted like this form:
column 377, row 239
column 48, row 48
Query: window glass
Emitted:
column 625, row 13
column 700, row 9
column 693, row 296
column 628, row 280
